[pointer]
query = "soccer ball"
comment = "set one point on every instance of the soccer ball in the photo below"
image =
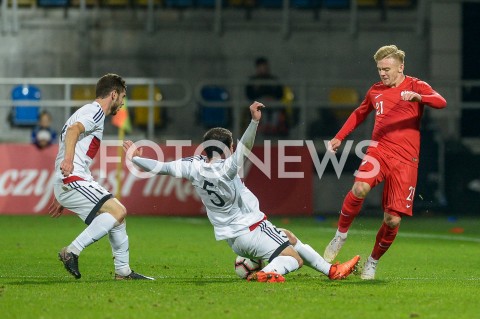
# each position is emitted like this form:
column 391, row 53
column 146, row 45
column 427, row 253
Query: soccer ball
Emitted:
column 245, row 266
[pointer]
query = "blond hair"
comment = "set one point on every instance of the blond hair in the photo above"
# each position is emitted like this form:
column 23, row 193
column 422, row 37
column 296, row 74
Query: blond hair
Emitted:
column 389, row 51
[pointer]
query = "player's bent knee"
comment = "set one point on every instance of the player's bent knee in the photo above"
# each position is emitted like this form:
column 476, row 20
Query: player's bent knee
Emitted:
column 393, row 224
column 290, row 251
column 291, row 237
column 360, row 189
column 300, row 261
column 122, row 213
column 392, row 221
column 116, row 209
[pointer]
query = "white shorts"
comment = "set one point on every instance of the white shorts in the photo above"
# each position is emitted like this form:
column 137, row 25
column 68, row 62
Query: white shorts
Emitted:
column 265, row 242
column 82, row 197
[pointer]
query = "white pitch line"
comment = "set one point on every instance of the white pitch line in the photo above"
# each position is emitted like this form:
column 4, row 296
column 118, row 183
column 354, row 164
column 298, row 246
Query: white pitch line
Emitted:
column 364, row 232
column 411, row 235
column 434, row 278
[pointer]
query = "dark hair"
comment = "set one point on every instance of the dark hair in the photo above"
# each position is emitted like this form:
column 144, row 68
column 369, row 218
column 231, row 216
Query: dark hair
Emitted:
column 261, row 60
column 108, row 83
column 219, row 134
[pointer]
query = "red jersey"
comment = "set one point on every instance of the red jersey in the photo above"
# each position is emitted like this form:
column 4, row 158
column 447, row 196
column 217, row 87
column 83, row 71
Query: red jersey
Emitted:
column 397, row 122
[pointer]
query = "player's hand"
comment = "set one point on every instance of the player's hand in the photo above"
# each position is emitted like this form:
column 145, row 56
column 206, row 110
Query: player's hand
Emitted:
column 131, row 150
column 333, row 145
column 255, row 110
column 410, row 96
column 55, row 210
column 66, row 167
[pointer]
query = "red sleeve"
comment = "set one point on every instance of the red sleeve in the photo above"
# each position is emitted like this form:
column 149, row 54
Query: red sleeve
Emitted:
column 356, row 118
column 429, row 96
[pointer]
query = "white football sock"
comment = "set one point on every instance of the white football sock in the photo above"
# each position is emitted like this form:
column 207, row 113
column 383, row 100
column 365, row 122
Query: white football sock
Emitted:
column 342, row 235
column 121, row 256
column 282, row 265
column 311, row 258
column 99, row 227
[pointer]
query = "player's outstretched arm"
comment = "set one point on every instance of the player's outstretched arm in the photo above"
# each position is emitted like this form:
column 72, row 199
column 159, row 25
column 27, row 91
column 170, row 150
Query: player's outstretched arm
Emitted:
column 246, row 142
column 248, row 138
column 175, row 168
column 134, row 155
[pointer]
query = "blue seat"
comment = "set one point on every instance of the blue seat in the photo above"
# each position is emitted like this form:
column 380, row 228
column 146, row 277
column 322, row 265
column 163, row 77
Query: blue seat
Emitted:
column 214, row 116
column 25, row 115
column 53, row 3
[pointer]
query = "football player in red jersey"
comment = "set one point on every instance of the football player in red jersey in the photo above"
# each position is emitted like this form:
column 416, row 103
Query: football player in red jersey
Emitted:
column 397, row 101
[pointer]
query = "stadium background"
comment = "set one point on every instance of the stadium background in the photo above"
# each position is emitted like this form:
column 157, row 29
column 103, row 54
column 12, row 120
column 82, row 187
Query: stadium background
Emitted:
column 178, row 48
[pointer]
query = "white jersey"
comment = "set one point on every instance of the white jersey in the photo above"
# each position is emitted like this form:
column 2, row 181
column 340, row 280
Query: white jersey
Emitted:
column 92, row 118
column 231, row 207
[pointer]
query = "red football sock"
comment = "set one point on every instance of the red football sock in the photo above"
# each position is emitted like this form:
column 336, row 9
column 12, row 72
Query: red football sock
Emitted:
column 350, row 209
column 385, row 238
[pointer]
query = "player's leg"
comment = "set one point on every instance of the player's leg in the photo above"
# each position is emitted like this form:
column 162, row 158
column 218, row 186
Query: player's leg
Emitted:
column 351, row 207
column 353, row 202
column 110, row 214
column 284, row 258
column 268, row 243
column 398, row 193
column 313, row 259
column 310, row 257
column 121, row 253
column 285, row 262
column 120, row 249
column 118, row 238
column 86, row 199
column 385, row 237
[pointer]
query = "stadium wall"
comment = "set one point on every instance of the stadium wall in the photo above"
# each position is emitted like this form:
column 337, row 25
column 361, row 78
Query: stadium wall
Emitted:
column 43, row 49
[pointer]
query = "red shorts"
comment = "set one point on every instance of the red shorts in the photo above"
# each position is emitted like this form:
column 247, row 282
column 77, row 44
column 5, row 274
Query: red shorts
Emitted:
column 400, row 181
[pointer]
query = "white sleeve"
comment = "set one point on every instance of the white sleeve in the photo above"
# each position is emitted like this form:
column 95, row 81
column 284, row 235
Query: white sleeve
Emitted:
column 178, row 168
column 87, row 117
column 244, row 147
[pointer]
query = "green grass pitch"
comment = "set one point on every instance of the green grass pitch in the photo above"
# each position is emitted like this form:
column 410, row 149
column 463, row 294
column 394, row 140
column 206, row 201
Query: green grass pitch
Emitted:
column 429, row 272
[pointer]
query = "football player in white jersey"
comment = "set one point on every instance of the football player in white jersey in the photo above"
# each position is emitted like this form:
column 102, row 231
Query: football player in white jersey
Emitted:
column 75, row 189
column 234, row 210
